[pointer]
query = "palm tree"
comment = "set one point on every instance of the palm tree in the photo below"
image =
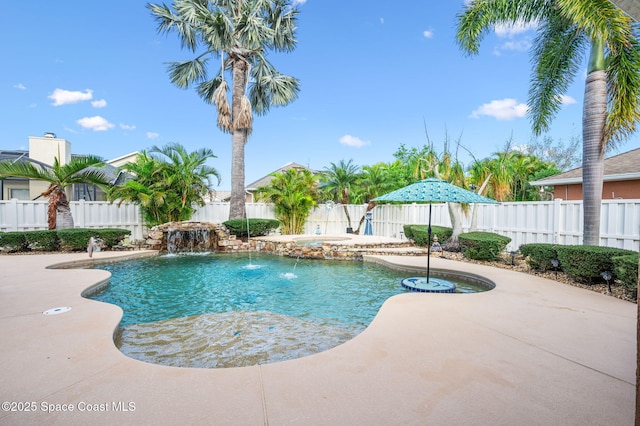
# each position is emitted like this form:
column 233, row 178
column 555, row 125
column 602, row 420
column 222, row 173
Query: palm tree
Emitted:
column 338, row 181
column 237, row 33
column 188, row 172
column 166, row 186
column 80, row 170
column 376, row 180
column 145, row 189
column 567, row 28
column 294, row 194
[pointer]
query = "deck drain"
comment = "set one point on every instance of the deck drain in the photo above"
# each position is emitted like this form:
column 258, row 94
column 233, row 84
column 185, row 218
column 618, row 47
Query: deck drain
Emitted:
column 56, row 311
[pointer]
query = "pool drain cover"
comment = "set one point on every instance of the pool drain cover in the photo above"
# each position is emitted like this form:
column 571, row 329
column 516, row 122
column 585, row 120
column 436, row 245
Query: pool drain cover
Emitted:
column 56, row 311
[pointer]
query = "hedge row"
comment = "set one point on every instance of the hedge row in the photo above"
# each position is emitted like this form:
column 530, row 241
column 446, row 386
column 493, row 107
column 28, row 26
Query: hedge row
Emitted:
column 585, row 263
column 419, row 233
column 75, row 239
column 257, row 227
column 483, row 245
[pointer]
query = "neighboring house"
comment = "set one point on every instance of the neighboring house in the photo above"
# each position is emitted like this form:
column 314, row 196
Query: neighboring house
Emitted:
column 621, row 179
column 42, row 151
column 250, row 189
column 631, row 7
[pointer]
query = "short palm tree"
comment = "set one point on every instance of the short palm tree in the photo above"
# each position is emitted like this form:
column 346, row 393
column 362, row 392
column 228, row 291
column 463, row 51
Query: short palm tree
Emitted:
column 567, row 30
column 167, row 187
column 374, row 181
column 188, row 172
column 338, row 181
column 80, row 170
column 293, row 193
column 237, row 33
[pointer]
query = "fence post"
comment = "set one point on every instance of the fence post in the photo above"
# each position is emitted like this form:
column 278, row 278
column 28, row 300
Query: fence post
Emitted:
column 12, row 214
column 558, row 215
column 80, row 214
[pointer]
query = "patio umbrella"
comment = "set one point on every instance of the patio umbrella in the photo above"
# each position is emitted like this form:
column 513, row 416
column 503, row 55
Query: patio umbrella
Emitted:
column 433, row 190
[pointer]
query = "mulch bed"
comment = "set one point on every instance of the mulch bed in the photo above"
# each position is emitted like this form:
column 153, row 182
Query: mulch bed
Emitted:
column 521, row 265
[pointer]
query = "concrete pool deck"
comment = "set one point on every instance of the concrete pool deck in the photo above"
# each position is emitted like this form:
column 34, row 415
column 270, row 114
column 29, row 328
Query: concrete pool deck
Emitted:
column 529, row 352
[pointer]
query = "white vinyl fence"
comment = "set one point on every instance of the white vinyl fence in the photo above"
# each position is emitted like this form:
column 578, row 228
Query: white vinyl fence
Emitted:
column 32, row 215
column 528, row 222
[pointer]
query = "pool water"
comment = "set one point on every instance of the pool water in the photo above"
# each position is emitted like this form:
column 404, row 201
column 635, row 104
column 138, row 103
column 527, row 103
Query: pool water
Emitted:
column 230, row 310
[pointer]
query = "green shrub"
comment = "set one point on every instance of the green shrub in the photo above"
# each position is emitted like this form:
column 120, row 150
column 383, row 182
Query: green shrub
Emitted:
column 257, row 227
column 75, row 239
column 588, row 262
column 408, row 231
column 110, row 236
column 419, row 233
column 540, row 255
column 626, row 269
column 42, row 240
column 12, row 242
column 483, row 245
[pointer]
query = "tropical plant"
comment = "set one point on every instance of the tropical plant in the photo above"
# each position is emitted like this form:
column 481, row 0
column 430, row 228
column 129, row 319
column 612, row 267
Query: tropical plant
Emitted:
column 376, row 180
column 80, row 170
column 238, row 33
column 338, row 182
column 168, row 183
column 566, row 29
column 293, row 193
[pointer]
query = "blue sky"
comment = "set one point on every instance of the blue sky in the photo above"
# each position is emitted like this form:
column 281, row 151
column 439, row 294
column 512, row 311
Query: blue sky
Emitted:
column 372, row 74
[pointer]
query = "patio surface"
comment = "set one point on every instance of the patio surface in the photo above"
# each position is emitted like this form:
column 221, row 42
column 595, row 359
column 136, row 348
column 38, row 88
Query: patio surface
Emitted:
column 529, row 352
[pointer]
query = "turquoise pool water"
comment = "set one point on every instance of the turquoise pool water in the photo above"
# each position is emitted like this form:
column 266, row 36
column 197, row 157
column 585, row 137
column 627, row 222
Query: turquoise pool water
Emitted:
column 223, row 310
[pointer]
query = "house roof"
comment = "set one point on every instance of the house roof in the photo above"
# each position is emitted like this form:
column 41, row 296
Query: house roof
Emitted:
column 625, row 166
column 263, row 181
column 20, row 156
column 631, row 7
column 112, row 173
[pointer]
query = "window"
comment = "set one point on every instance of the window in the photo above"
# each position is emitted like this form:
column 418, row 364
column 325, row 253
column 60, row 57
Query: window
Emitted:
column 19, row 194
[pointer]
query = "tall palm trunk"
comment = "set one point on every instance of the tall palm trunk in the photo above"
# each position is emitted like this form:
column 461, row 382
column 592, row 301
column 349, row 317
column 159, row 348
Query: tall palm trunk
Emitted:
column 238, row 141
column 593, row 121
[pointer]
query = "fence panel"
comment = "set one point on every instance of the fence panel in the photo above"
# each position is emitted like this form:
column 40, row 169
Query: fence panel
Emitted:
column 619, row 222
column 101, row 214
column 23, row 215
column 533, row 222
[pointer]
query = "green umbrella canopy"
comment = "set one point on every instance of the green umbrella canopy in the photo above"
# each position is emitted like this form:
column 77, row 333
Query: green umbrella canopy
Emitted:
column 434, row 190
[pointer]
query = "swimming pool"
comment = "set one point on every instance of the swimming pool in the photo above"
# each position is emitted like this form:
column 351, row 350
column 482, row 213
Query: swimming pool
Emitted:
column 230, row 310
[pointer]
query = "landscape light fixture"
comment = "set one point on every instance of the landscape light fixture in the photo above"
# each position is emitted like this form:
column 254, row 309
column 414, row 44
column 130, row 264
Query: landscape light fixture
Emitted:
column 607, row 275
column 555, row 263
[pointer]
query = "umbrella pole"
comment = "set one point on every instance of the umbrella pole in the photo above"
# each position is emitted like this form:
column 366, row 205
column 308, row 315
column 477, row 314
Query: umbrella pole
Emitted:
column 429, row 243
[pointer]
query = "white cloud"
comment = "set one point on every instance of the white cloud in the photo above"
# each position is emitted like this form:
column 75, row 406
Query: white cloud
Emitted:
column 96, row 123
column 382, row 20
column 127, row 126
column 20, row 86
column 513, row 46
column 427, row 33
column 567, row 100
column 349, row 140
column 99, row 104
column 62, row 97
column 503, row 109
column 297, row 2
column 510, row 30
column 152, row 135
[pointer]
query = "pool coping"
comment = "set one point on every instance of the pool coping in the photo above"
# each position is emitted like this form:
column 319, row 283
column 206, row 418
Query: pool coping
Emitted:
column 530, row 351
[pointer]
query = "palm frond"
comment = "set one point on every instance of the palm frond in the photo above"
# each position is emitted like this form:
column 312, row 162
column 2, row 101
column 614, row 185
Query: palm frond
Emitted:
column 25, row 170
column 481, row 16
column 182, row 74
column 623, row 87
column 558, row 54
